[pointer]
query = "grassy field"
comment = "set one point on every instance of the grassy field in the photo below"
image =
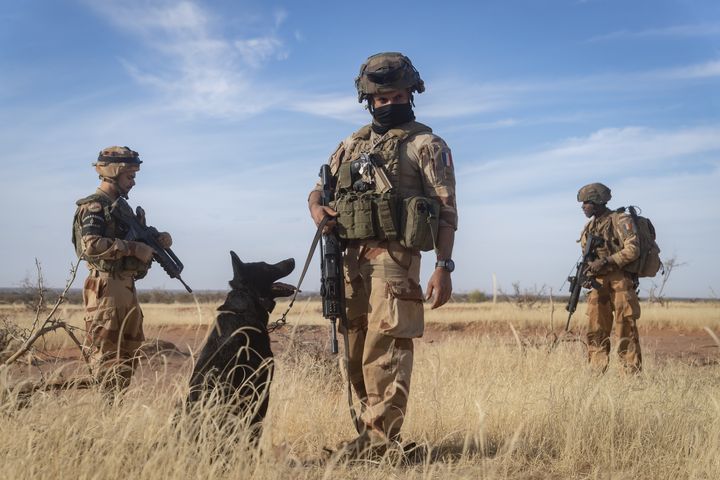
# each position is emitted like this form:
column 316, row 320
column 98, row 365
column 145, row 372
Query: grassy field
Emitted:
column 684, row 315
column 483, row 408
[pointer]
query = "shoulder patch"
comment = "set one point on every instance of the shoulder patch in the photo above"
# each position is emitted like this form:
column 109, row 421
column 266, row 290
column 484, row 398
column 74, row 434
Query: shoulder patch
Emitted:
column 627, row 226
column 94, row 207
column 624, row 224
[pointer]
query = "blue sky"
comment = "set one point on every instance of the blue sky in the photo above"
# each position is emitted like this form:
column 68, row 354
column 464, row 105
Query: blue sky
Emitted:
column 234, row 105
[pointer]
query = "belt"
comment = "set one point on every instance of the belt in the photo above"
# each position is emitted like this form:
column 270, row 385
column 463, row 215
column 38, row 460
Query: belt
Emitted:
column 119, row 275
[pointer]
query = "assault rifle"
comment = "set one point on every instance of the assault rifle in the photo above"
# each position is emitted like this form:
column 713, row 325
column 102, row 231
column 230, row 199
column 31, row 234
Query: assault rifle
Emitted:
column 581, row 277
column 138, row 232
column 332, row 286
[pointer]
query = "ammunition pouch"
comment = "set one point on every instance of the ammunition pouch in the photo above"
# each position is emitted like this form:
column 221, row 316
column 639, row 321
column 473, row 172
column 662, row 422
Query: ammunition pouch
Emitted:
column 372, row 216
column 125, row 265
column 366, row 215
column 420, row 221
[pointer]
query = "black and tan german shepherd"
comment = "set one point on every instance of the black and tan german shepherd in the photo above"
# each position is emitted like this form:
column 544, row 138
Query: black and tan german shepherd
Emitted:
column 235, row 366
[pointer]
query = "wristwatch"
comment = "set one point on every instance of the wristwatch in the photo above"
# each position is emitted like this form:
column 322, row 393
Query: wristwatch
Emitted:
column 448, row 264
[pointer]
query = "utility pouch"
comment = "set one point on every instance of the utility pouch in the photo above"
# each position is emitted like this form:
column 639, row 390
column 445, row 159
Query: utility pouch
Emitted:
column 363, row 213
column 420, row 221
column 355, row 216
column 386, row 216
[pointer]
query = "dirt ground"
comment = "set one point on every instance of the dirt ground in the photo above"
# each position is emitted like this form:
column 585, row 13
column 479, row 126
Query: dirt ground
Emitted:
column 168, row 349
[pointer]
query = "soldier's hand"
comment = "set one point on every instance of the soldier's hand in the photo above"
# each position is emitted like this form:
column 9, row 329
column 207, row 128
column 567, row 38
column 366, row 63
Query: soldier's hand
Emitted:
column 439, row 285
column 141, row 251
column 596, row 265
column 318, row 212
column 140, row 214
column 164, row 239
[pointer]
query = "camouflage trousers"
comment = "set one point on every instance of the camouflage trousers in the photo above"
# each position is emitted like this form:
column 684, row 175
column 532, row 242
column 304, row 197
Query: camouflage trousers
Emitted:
column 615, row 297
column 385, row 313
column 114, row 321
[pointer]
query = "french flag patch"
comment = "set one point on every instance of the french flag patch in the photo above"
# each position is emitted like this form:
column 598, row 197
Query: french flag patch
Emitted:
column 446, row 157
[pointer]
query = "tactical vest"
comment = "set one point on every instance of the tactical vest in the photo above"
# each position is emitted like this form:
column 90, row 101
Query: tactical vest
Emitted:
column 113, row 229
column 383, row 215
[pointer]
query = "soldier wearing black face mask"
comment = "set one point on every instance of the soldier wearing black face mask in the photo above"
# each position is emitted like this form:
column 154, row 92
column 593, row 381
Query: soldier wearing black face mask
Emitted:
column 398, row 167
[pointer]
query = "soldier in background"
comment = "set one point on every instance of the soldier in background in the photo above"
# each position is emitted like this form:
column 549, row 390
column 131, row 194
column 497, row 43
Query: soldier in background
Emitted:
column 614, row 290
column 113, row 318
column 382, row 275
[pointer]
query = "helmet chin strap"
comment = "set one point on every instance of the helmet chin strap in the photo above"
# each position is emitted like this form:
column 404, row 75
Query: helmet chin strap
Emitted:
column 114, row 182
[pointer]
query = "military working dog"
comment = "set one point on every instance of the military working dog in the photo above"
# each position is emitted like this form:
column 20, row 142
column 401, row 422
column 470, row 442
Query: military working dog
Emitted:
column 235, row 366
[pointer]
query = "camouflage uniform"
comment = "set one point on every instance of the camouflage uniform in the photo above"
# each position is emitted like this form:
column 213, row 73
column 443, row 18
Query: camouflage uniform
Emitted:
column 382, row 278
column 614, row 291
column 113, row 317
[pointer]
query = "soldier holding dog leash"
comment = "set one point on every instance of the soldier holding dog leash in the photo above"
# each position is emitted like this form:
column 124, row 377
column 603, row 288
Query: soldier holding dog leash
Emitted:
column 393, row 196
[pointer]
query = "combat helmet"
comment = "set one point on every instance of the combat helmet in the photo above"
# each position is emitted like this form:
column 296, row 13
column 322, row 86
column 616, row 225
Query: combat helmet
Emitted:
column 112, row 161
column 385, row 72
column 594, row 192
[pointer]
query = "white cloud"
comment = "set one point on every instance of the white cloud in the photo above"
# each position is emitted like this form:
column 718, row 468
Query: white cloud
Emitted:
column 519, row 217
column 339, row 107
column 691, row 30
column 203, row 71
column 699, row 71
column 256, row 51
column 208, row 72
column 456, row 97
column 609, row 153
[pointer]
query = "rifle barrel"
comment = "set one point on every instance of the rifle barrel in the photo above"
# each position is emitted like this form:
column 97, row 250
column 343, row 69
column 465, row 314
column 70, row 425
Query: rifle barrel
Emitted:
column 184, row 284
column 333, row 336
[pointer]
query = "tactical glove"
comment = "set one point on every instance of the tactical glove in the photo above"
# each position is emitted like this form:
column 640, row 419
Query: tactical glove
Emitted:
column 164, row 239
column 141, row 251
column 596, row 265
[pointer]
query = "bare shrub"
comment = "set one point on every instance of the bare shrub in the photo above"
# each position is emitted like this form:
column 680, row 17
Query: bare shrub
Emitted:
column 656, row 293
column 11, row 336
column 477, row 296
column 527, row 298
column 41, row 326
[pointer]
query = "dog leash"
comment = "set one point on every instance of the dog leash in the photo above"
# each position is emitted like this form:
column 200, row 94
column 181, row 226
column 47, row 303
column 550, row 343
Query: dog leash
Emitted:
column 280, row 322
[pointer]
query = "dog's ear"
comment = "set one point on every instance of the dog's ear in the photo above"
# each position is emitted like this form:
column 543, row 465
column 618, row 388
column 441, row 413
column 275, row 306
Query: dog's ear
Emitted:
column 238, row 269
column 284, row 268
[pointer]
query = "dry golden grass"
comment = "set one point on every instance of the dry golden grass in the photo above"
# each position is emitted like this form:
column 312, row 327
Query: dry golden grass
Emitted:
column 483, row 410
column 681, row 315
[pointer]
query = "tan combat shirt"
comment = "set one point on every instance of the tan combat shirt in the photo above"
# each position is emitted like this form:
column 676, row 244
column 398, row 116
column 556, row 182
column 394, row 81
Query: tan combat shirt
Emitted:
column 621, row 244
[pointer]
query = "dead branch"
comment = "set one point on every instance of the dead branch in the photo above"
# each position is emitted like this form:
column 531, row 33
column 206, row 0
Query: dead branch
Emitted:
column 524, row 298
column 656, row 292
column 50, row 323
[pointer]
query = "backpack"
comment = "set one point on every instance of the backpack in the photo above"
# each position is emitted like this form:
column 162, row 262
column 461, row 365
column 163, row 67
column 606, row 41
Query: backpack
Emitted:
column 648, row 263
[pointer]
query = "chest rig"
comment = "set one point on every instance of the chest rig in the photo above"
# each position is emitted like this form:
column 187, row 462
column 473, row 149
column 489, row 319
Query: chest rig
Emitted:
column 110, row 229
column 604, row 228
column 368, row 200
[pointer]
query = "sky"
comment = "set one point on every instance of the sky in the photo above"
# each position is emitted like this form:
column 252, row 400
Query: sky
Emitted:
column 234, row 105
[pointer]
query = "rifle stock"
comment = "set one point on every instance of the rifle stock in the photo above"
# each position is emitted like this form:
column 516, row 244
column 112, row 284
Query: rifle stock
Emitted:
column 138, row 232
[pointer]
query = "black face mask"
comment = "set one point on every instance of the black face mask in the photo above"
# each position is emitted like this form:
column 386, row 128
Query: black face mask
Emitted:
column 389, row 116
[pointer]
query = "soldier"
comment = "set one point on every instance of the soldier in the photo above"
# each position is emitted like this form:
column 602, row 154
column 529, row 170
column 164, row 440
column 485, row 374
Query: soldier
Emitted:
column 113, row 317
column 396, row 160
column 614, row 289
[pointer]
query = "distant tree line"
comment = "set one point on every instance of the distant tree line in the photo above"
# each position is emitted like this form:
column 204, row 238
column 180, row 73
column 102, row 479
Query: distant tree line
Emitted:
column 29, row 297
